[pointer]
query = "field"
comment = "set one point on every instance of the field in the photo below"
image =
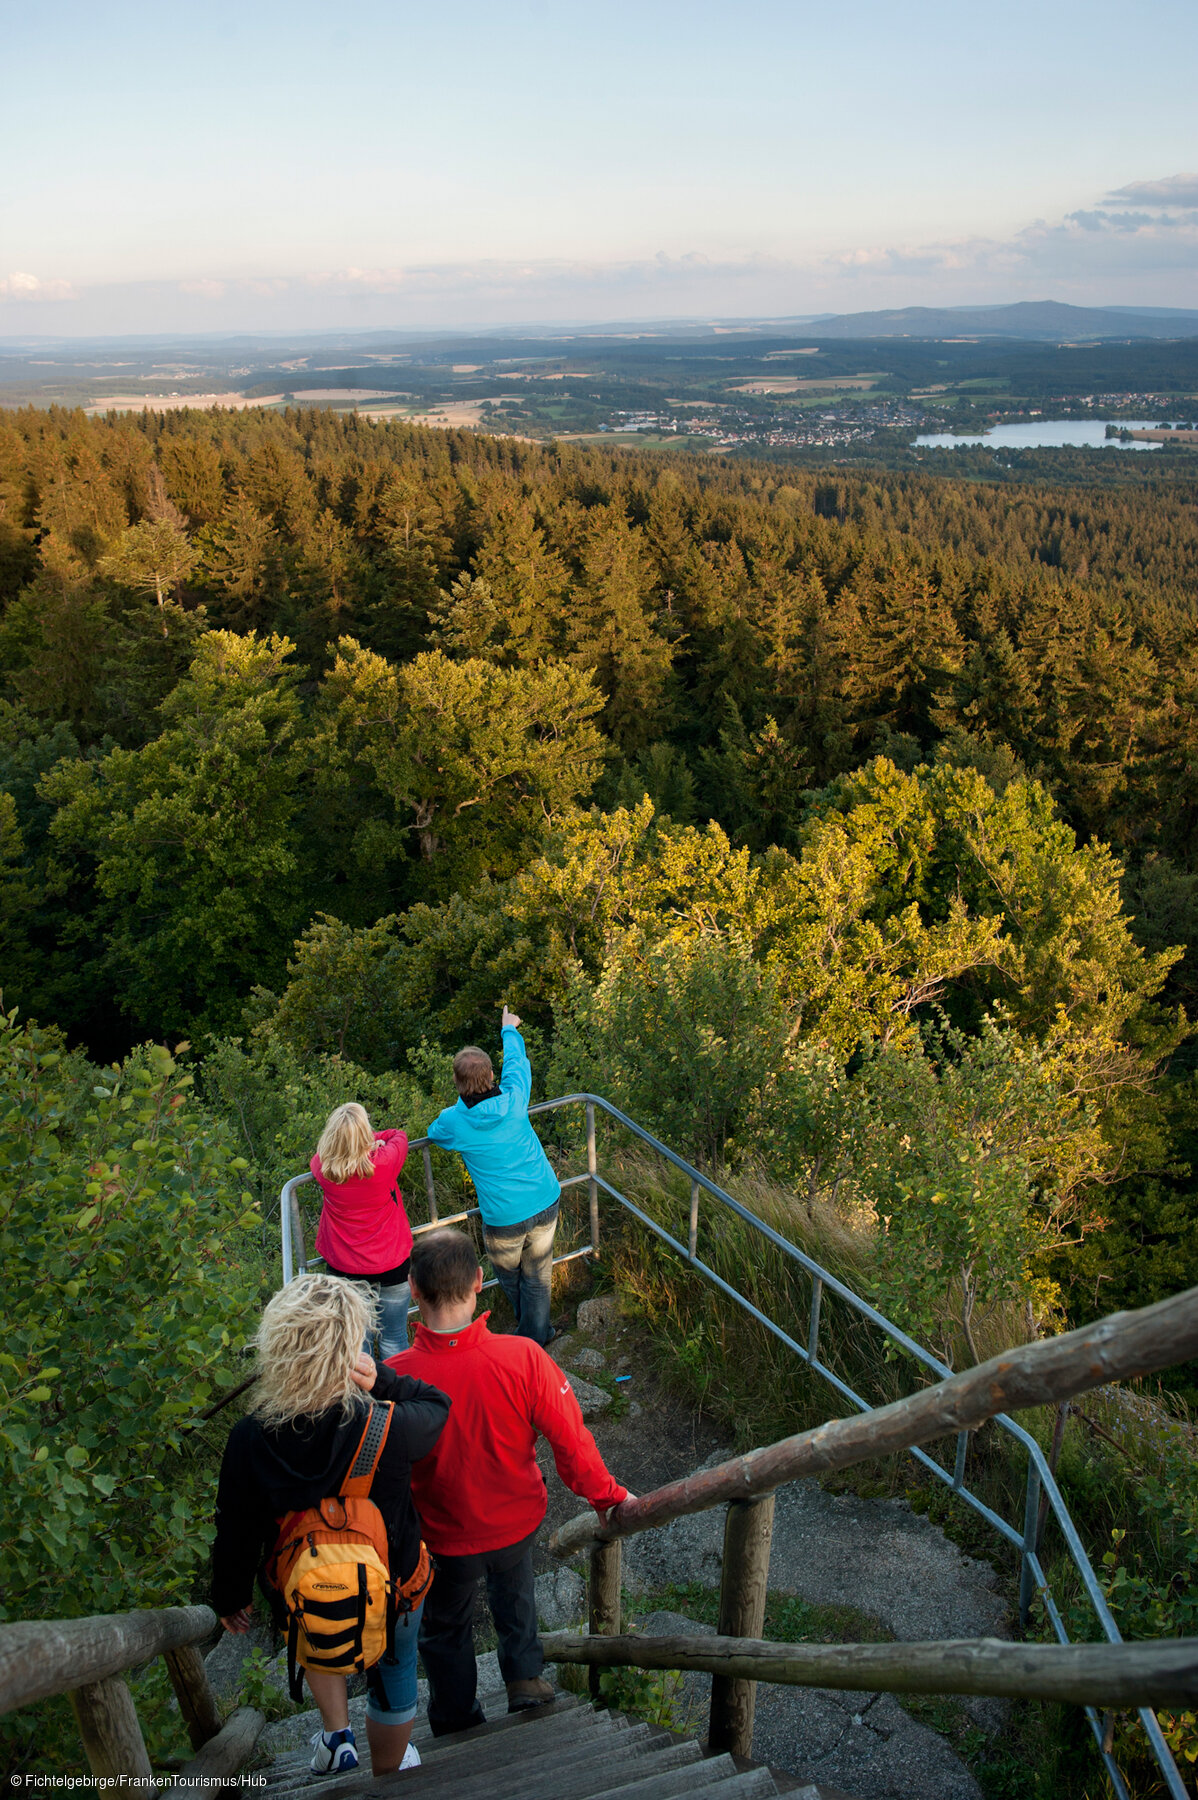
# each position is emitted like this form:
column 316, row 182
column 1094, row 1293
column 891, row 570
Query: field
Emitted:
column 748, row 390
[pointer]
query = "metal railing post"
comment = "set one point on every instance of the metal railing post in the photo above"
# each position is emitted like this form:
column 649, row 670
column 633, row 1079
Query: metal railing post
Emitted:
column 1031, row 1520
column 959, row 1465
column 693, row 1236
column 429, row 1186
column 592, row 1171
column 817, row 1294
column 298, row 1249
column 744, row 1583
column 285, row 1233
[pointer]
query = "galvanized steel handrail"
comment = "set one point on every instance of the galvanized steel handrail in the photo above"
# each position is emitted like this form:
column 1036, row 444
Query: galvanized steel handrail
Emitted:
column 1040, row 1479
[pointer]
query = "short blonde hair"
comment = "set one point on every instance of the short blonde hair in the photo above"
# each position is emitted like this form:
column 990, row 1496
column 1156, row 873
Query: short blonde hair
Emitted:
column 308, row 1344
column 472, row 1071
column 346, row 1143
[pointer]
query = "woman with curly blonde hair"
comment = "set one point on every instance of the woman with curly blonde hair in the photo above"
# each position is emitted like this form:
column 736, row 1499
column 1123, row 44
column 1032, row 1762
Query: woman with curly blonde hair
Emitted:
column 364, row 1233
column 292, row 1451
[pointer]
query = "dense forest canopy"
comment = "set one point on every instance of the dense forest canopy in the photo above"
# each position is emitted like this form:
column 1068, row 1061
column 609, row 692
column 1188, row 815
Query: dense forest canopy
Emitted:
column 321, row 737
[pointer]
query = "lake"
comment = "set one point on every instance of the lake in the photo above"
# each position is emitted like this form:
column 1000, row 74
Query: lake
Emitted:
column 1043, row 434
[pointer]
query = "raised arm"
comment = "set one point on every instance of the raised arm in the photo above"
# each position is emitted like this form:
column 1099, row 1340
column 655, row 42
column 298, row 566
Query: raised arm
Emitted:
column 517, row 1070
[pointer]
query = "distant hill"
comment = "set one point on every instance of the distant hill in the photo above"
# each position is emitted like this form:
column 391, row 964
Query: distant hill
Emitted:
column 1037, row 319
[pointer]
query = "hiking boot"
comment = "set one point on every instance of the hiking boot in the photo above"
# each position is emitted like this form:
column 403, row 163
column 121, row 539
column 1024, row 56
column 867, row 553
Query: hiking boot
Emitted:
column 523, row 1694
column 334, row 1752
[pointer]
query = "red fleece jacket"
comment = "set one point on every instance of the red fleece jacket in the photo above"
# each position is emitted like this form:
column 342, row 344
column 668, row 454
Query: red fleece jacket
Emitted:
column 479, row 1488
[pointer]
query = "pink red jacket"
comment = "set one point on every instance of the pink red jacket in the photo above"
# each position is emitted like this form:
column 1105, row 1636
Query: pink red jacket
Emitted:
column 363, row 1227
column 479, row 1488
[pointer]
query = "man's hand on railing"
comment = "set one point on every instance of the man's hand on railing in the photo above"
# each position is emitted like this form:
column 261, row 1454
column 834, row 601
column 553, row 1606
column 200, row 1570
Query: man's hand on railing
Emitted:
column 605, row 1518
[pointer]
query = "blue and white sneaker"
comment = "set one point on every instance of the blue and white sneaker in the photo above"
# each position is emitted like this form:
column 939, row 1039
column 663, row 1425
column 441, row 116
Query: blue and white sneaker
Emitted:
column 333, row 1752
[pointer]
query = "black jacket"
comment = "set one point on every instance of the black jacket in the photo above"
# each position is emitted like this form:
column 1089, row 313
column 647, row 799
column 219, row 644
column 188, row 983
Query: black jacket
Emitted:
column 269, row 1471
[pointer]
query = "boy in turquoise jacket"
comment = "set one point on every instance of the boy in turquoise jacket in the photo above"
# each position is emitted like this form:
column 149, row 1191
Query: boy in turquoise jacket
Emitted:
column 518, row 1193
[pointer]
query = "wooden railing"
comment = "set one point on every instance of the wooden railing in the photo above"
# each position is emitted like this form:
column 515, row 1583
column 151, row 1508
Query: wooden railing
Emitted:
column 1113, row 1676
column 88, row 1658
column 1118, row 1348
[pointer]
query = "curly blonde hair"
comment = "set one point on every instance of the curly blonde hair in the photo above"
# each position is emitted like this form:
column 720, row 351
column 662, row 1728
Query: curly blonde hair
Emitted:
column 346, row 1143
column 308, row 1344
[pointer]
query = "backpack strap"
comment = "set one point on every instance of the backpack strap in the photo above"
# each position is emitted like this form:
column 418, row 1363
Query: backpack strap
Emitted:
column 360, row 1474
column 295, row 1675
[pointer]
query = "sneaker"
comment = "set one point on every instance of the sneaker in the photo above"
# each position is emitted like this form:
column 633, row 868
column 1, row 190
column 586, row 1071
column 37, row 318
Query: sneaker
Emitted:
column 334, row 1752
column 523, row 1694
column 411, row 1758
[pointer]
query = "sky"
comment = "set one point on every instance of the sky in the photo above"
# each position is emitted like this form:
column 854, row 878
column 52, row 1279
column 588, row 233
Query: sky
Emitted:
column 382, row 164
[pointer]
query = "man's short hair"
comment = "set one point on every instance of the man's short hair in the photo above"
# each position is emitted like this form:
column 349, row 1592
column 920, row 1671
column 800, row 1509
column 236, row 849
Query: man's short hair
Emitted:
column 472, row 1071
column 444, row 1265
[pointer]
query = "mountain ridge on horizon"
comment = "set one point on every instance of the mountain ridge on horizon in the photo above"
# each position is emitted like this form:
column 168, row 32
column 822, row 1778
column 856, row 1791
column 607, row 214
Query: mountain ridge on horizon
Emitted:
column 1037, row 319
column 1028, row 320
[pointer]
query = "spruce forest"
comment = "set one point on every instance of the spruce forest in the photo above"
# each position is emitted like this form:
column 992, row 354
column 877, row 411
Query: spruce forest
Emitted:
column 342, row 731
column 840, row 827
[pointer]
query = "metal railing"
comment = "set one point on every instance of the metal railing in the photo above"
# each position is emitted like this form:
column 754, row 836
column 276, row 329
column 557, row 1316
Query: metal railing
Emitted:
column 1040, row 1483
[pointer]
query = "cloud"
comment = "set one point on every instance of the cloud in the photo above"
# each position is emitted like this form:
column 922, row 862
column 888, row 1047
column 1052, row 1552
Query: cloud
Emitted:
column 1136, row 248
column 1173, row 190
column 22, row 286
column 1092, row 247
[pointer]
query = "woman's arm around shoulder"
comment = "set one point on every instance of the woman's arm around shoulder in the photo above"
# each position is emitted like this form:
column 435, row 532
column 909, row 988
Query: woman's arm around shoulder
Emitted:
column 420, row 1409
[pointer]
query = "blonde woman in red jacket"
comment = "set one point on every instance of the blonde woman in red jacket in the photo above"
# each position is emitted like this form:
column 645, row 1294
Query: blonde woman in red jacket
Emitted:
column 364, row 1233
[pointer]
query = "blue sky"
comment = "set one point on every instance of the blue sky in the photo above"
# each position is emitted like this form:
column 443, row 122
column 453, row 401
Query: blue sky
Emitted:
column 298, row 166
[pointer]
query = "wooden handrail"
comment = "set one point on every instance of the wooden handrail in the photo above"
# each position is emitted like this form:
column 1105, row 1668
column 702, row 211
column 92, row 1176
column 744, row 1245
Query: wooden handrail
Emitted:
column 54, row 1656
column 1117, row 1348
column 1161, row 1673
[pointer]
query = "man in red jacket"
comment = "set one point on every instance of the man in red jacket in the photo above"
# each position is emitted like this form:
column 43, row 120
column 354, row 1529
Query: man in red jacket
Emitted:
column 479, row 1493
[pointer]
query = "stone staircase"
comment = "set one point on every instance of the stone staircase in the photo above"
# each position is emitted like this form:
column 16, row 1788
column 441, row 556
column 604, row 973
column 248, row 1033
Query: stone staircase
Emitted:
column 568, row 1750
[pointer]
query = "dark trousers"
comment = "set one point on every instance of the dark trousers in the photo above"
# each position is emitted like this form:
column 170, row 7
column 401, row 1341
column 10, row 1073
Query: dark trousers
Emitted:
column 447, row 1630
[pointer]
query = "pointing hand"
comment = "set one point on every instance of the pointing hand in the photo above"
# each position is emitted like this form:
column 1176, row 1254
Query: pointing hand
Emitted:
column 509, row 1017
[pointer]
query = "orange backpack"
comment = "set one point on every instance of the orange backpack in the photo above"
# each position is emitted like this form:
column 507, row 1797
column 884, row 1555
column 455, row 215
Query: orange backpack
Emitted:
column 330, row 1567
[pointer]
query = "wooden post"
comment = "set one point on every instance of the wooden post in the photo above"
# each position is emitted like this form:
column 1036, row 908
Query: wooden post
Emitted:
column 197, row 1702
column 208, row 1775
column 744, row 1583
column 107, row 1721
column 603, row 1593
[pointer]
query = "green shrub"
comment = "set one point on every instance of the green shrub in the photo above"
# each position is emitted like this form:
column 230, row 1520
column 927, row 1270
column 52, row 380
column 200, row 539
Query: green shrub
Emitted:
column 122, row 1210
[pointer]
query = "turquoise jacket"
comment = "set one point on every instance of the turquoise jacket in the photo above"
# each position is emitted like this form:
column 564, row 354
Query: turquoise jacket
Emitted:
column 512, row 1175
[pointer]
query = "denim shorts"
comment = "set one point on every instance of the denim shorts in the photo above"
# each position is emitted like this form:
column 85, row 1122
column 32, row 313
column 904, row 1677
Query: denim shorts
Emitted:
column 391, row 1684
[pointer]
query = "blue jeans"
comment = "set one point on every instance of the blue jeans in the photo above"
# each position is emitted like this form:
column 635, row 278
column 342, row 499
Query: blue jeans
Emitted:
column 447, row 1630
column 391, row 1683
column 393, row 1319
column 522, row 1258
column 393, row 1300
